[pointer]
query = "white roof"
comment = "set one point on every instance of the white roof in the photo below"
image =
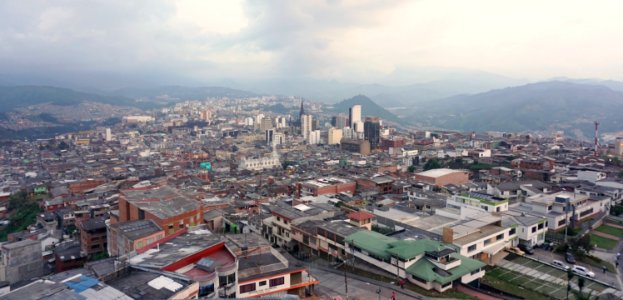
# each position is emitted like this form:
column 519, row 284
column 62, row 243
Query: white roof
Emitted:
column 165, row 282
column 438, row 172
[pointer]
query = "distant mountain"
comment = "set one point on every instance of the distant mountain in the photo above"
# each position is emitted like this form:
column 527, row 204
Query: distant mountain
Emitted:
column 12, row 97
column 368, row 108
column 553, row 105
column 176, row 93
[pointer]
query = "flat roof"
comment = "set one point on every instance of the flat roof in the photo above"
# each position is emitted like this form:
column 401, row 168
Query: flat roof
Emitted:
column 162, row 201
column 473, row 236
column 439, row 172
column 134, row 230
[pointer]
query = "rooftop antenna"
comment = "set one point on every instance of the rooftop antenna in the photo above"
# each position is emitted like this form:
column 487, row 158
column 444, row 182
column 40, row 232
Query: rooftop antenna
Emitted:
column 596, row 138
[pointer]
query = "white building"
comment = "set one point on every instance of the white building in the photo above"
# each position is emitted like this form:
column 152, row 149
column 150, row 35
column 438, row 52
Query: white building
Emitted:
column 306, row 125
column 260, row 163
column 354, row 116
column 314, row 137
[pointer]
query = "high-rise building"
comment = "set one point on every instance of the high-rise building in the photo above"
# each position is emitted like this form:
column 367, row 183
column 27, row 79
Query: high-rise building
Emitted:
column 335, row 136
column 354, row 115
column 108, row 135
column 281, row 122
column 269, row 136
column 340, row 121
column 306, row 125
column 206, row 115
column 313, row 137
column 267, row 123
column 372, row 131
column 618, row 146
column 358, row 127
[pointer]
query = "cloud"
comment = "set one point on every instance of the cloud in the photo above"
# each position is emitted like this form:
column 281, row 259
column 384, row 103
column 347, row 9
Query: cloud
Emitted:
column 122, row 42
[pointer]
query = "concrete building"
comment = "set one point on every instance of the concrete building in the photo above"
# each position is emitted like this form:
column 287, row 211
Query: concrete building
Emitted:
column 326, row 186
column 483, row 238
column 354, row 116
column 270, row 161
column 358, row 146
column 479, row 202
column 127, row 237
column 372, row 132
column 266, row 123
column 443, row 177
column 618, row 147
column 314, row 137
column 166, row 206
column 20, row 261
column 563, row 208
column 335, row 136
column 428, row 264
column 93, row 236
column 340, row 121
column 530, row 229
column 306, row 125
column 108, row 135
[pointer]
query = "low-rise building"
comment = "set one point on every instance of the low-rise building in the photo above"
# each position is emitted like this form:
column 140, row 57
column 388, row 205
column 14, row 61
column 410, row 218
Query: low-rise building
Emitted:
column 127, row 237
column 21, row 261
column 426, row 263
column 93, row 236
column 443, row 177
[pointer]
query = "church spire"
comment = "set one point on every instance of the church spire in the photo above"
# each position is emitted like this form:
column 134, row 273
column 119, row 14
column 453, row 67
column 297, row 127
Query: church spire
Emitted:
column 302, row 110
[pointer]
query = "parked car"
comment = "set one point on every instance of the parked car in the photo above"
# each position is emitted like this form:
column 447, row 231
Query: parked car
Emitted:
column 515, row 250
column 569, row 258
column 582, row 271
column 526, row 248
column 560, row 264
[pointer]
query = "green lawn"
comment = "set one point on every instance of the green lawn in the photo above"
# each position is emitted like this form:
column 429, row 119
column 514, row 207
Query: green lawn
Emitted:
column 610, row 230
column 513, row 283
column 602, row 242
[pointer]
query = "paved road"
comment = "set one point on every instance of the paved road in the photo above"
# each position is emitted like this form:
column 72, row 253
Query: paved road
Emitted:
column 547, row 256
column 332, row 285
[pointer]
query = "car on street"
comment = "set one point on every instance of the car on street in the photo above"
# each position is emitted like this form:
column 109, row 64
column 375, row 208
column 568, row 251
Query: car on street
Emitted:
column 526, row 248
column 560, row 264
column 582, row 271
column 569, row 258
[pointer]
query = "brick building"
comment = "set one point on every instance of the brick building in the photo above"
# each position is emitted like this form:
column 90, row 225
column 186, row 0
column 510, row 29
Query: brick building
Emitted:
column 126, row 237
column 92, row 236
column 164, row 205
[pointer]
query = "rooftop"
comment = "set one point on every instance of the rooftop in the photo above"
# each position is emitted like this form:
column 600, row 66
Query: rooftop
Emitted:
column 162, row 201
column 134, row 230
column 438, row 172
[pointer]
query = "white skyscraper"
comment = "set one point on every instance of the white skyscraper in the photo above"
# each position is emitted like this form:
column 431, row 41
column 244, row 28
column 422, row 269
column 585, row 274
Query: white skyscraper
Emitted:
column 306, row 125
column 313, row 137
column 354, row 115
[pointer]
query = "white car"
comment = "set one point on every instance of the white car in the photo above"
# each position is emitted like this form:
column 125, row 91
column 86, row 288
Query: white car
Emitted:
column 582, row 271
column 560, row 264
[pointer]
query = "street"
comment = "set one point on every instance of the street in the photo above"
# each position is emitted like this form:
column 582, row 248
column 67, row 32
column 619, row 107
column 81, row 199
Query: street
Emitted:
column 332, row 285
column 548, row 257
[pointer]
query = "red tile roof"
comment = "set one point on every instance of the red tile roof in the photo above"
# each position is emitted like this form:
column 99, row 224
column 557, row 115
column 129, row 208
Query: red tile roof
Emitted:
column 360, row 215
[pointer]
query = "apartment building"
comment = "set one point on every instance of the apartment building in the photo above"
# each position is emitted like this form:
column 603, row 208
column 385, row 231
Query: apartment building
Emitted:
column 482, row 238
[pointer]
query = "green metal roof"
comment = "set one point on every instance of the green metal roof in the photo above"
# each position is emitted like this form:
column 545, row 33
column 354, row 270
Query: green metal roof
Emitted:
column 425, row 269
column 385, row 247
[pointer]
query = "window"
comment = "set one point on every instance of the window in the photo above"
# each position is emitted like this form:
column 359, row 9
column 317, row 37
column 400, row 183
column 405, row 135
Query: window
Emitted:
column 562, row 222
column 533, row 229
column 471, row 248
column 206, row 290
column 499, row 237
column 262, row 283
column 246, row 288
column 276, row 281
column 418, row 279
column 513, row 231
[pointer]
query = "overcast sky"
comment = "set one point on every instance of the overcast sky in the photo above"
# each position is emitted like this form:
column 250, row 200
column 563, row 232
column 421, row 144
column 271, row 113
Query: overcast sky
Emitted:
column 356, row 40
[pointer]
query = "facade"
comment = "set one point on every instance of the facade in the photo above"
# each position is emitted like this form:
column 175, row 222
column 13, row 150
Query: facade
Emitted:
column 354, row 116
column 340, row 121
column 326, row 186
column 426, row 263
column 358, row 146
column 530, row 229
column 260, row 163
column 93, row 236
column 478, row 201
column 266, row 123
column 314, row 137
column 564, row 208
column 618, row 147
column 21, row 261
column 166, row 206
column 481, row 238
column 306, row 125
column 334, row 136
column 372, row 132
column 130, row 236
column 361, row 219
column 443, row 177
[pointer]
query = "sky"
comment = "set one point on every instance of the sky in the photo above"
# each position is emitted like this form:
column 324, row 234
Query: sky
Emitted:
column 352, row 40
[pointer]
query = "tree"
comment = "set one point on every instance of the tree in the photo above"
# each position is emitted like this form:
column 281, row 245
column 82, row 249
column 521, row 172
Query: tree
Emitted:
column 432, row 163
column 411, row 169
column 582, row 246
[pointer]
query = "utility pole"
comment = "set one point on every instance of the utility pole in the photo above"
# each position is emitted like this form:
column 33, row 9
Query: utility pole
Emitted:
column 346, row 284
